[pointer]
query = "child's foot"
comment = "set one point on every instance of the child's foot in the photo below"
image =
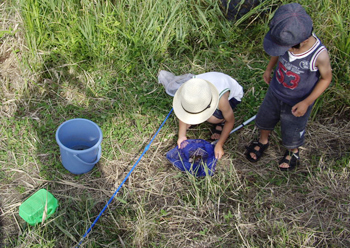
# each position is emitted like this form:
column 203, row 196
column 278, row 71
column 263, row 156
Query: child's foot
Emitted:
column 255, row 150
column 290, row 160
column 189, row 126
column 217, row 130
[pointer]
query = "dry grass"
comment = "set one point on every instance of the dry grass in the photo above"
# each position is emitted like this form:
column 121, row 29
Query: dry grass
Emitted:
column 11, row 75
column 245, row 204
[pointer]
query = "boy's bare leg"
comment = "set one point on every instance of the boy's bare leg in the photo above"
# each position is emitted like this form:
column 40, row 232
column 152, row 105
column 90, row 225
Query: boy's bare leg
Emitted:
column 264, row 136
column 263, row 139
column 214, row 120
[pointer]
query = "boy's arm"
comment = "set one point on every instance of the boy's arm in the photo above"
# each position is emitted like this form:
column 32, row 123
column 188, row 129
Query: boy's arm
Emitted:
column 227, row 112
column 324, row 67
column 269, row 69
column 182, row 133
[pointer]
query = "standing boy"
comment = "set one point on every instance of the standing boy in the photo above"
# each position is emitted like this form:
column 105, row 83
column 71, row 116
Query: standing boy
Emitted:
column 211, row 97
column 302, row 74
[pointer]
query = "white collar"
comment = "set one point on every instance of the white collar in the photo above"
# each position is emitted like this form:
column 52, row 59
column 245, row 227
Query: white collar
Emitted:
column 293, row 56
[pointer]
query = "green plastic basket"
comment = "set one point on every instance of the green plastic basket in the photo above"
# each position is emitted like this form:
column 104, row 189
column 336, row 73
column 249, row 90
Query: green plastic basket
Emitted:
column 35, row 207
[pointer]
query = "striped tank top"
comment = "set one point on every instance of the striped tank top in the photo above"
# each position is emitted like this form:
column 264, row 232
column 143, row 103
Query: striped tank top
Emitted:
column 296, row 75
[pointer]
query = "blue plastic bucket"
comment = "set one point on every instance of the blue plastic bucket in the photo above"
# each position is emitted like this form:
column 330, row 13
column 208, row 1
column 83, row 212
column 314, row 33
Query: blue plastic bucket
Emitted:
column 80, row 144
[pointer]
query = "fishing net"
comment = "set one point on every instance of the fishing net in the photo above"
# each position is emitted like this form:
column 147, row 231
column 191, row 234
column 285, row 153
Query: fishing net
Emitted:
column 195, row 156
column 171, row 82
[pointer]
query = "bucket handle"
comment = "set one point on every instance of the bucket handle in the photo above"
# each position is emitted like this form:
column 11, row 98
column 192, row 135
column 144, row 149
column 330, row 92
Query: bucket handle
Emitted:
column 97, row 159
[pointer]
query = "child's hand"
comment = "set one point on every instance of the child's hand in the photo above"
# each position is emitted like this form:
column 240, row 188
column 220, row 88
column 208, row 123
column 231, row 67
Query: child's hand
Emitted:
column 300, row 109
column 219, row 151
column 180, row 139
column 267, row 76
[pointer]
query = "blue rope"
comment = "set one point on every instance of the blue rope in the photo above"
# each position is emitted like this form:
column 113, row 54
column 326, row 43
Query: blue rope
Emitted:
column 127, row 176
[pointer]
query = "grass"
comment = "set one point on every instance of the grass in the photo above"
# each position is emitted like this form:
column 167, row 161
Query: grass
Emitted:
column 99, row 60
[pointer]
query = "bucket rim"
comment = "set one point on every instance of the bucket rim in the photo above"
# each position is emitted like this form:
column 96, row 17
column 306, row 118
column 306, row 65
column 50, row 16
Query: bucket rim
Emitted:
column 98, row 143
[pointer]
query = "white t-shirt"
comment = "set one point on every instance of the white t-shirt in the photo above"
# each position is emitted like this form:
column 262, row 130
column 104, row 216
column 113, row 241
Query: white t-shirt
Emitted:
column 223, row 83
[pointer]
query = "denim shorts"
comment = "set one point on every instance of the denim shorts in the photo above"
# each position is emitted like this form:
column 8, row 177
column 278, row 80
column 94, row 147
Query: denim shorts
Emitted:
column 233, row 103
column 273, row 110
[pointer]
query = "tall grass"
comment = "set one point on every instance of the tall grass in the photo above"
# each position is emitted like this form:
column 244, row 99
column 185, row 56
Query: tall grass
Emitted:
column 122, row 33
column 99, row 60
column 331, row 22
column 126, row 36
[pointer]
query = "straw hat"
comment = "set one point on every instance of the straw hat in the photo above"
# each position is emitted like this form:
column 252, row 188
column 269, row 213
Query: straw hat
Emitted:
column 195, row 101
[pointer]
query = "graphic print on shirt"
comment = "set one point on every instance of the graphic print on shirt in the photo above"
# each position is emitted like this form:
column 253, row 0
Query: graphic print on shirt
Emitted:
column 304, row 64
column 288, row 74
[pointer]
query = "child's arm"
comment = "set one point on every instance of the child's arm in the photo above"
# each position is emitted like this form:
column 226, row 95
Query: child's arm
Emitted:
column 227, row 112
column 324, row 67
column 182, row 133
column 269, row 69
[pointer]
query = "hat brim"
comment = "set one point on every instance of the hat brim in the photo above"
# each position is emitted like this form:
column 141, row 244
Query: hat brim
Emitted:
column 272, row 48
column 194, row 119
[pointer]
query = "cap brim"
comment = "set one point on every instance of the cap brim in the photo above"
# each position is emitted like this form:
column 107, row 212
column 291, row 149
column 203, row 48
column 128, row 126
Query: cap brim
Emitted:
column 272, row 48
column 194, row 119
